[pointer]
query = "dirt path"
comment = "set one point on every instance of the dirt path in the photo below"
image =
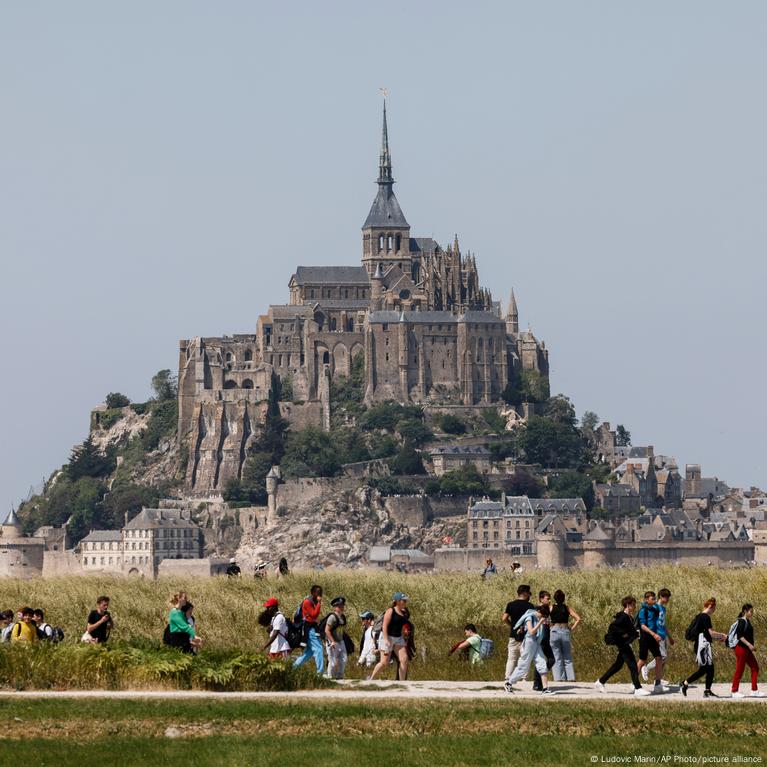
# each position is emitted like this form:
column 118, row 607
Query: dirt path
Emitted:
column 384, row 690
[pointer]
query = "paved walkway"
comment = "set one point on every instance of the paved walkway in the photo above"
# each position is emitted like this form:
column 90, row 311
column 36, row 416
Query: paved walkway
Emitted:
column 387, row 690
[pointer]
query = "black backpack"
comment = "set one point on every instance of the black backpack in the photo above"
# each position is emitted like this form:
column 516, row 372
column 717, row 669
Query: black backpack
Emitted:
column 321, row 627
column 691, row 633
column 57, row 635
column 166, row 635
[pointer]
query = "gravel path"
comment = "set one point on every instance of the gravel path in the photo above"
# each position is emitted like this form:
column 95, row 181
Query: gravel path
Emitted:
column 385, row 690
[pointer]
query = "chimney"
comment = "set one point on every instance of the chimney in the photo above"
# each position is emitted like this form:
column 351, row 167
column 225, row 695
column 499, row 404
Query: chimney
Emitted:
column 126, row 519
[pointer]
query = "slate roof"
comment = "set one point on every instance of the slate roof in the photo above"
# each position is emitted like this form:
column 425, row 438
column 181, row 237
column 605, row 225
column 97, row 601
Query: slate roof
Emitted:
column 515, row 504
column 103, row 536
column 385, row 211
column 289, row 311
column 423, row 245
column 461, row 450
column 12, row 519
column 156, row 518
column 331, row 275
column 558, row 505
column 389, row 315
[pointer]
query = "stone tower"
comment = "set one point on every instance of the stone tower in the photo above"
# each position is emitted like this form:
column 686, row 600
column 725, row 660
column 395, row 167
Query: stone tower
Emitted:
column 550, row 544
column 386, row 232
column 512, row 316
column 11, row 527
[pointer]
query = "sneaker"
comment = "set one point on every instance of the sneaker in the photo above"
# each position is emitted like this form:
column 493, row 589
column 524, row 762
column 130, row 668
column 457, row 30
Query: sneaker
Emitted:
column 508, row 687
column 660, row 688
column 737, row 695
column 547, row 691
column 600, row 687
column 665, row 682
column 683, row 687
column 645, row 673
column 709, row 694
column 640, row 692
column 757, row 694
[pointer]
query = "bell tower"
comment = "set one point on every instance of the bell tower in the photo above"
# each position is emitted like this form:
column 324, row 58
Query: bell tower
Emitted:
column 385, row 233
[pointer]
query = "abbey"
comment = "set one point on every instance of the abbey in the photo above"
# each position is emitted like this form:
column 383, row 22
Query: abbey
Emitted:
column 414, row 312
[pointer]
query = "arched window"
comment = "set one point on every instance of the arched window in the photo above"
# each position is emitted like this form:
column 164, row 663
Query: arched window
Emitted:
column 248, row 355
column 325, row 358
column 247, row 384
column 230, row 384
column 389, row 239
column 380, row 242
column 399, row 243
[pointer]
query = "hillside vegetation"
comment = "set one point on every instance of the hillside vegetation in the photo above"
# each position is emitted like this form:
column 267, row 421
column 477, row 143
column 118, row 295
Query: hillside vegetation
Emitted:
column 440, row 603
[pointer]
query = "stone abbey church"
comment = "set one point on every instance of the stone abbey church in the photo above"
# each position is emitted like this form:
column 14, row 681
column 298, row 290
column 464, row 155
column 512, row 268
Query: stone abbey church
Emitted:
column 427, row 330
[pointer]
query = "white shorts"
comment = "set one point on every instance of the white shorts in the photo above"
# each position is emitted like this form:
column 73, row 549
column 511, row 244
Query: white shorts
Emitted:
column 393, row 643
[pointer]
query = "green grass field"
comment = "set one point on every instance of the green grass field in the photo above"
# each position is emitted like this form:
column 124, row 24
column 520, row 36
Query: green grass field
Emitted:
column 440, row 604
column 85, row 732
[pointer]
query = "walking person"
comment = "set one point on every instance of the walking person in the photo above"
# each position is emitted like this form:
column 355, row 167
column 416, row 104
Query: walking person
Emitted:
column 513, row 612
column 544, row 598
column 490, row 569
column 666, row 640
column 25, row 629
column 367, row 642
column 6, row 621
column 744, row 653
column 181, row 634
column 392, row 639
column 561, row 644
column 310, row 615
column 275, row 622
column 471, row 644
column 649, row 639
column 334, row 636
column 702, row 634
column 533, row 622
column 99, row 624
column 622, row 633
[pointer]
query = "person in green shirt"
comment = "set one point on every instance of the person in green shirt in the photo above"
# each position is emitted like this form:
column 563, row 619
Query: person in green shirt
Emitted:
column 470, row 644
column 182, row 633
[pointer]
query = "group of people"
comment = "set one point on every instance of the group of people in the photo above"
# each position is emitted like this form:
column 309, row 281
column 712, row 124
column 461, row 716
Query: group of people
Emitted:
column 384, row 640
column 540, row 636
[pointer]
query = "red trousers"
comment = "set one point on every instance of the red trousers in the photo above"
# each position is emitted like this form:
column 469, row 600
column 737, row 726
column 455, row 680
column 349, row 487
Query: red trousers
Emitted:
column 743, row 657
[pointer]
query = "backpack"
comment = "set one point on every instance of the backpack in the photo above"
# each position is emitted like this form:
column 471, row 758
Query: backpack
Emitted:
column 486, row 647
column 166, row 634
column 691, row 633
column 42, row 636
column 732, row 635
column 378, row 626
column 321, row 627
column 57, row 635
column 348, row 644
column 614, row 635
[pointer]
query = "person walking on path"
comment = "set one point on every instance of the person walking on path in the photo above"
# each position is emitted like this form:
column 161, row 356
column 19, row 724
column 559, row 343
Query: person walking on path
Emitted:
column 392, row 639
column 471, row 644
column 99, row 624
column 561, row 644
column 666, row 640
column 544, row 598
column 513, row 612
column 744, row 653
column 649, row 639
column 181, row 633
column 701, row 633
column 334, row 636
column 622, row 633
column 274, row 621
column 533, row 622
column 367, row 642
column 310, row 615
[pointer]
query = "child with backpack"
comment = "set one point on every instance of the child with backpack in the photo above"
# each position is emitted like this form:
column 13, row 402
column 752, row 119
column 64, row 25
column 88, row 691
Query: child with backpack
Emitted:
column 368, row 649
column 621, row 632
column 25, row 629
column 275, row 622
column 702, row 635
column 472, row 645
column 741, row 640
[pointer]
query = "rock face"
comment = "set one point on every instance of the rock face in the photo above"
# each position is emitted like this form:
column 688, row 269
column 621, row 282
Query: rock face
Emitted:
column 337, row 530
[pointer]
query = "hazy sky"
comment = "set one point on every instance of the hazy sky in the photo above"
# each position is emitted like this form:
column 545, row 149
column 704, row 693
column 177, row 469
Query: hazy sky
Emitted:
column 165, row 166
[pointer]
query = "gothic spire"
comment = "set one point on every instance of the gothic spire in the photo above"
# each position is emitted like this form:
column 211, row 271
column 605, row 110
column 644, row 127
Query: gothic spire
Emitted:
column 384, row 164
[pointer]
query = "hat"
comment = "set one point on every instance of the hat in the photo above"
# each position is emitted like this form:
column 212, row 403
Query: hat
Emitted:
column 399, row 595
column 271, row 602
column 367, row 615
column 338, row 602
column 232, row 561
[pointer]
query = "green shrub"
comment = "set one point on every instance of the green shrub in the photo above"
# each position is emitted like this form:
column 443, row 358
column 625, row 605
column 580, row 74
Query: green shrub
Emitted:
column 109, row 418
column 451, row 424
column 115, row 399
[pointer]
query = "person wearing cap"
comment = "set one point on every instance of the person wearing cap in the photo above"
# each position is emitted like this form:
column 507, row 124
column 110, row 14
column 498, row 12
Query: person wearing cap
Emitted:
column 233, row 571
column 274, row 621
column 334, row 636
column 367, row 643
column 392, row 640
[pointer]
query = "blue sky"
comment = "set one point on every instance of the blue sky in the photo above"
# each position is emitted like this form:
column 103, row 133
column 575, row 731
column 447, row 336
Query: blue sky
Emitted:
column 164, row 167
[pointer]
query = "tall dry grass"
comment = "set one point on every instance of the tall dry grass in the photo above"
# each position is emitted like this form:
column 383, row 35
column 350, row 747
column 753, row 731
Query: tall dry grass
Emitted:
column 440, row 605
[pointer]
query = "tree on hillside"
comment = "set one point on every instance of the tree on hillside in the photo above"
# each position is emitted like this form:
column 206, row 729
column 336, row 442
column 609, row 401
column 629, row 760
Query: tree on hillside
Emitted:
column 451, row 424
column 310, row 452
column 561, row 410
column 115, row 399
column 88, row 461
column 622, row 436
column 589, row 423
column 407, row 461
column 551, row 443
column 164, row 385
column 572, row 484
